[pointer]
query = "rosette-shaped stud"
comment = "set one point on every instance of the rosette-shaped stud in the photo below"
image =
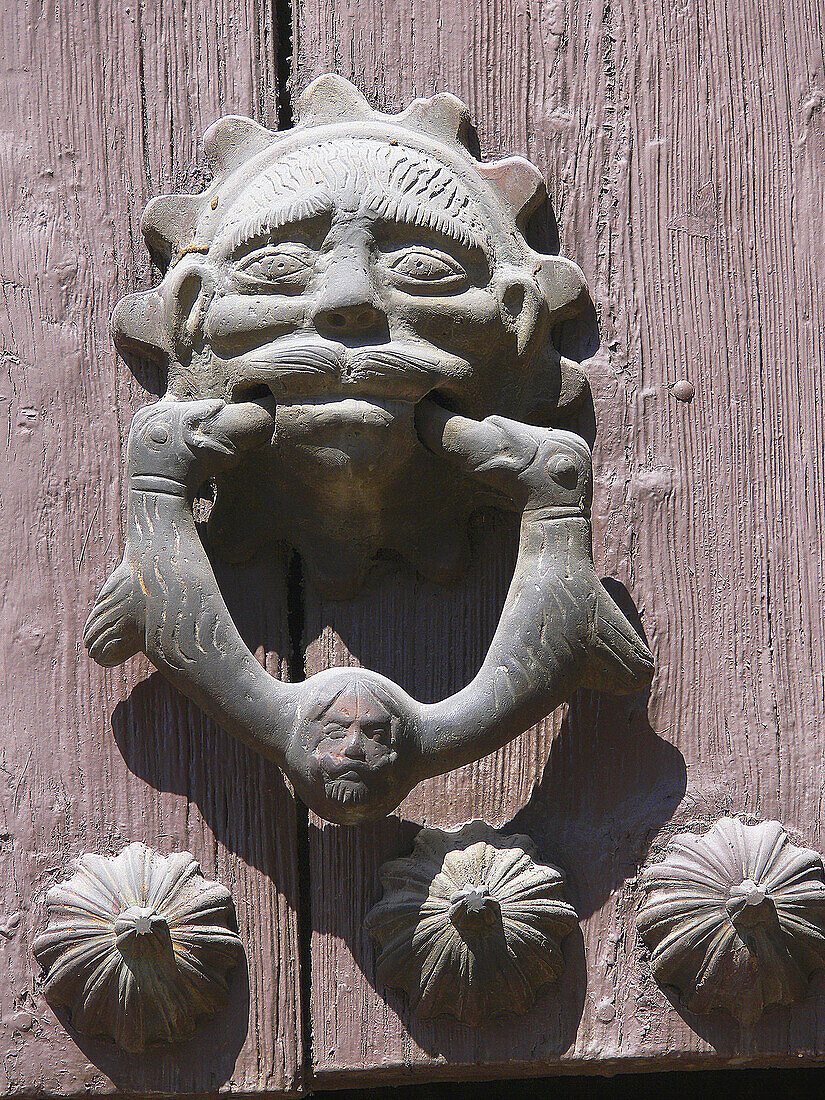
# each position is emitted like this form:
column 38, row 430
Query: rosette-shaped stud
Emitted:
column 735, row 919
column 138, row 946
column 470, row 923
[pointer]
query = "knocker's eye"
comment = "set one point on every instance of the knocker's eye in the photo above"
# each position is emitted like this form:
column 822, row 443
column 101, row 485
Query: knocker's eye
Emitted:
column 333, row 730
column 156, row 434
column 422, row 270
column 378, row 733
column 278, row 269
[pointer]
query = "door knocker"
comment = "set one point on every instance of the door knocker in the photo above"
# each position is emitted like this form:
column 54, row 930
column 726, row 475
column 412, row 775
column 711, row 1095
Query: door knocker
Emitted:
column 351, row 309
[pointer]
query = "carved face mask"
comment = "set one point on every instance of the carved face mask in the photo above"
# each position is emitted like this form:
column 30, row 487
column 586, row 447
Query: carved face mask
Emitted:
column 346, row 743
column 350, row 267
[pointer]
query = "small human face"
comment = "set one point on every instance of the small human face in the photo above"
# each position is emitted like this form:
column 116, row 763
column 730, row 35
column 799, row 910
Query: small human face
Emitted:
column 353, row 746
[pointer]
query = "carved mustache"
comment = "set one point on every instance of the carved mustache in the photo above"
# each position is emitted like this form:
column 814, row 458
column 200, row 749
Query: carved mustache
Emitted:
column 336, row 767
column 392, row 370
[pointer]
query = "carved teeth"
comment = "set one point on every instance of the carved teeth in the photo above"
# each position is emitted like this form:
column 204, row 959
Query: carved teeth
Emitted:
column 334, row 410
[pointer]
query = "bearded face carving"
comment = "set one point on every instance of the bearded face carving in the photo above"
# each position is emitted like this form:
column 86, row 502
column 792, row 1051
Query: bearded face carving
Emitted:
column 351, row 267
column 358, row 340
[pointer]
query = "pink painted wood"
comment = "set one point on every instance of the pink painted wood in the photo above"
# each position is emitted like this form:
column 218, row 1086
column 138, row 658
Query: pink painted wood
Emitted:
column 685, row 152
column 102, row 107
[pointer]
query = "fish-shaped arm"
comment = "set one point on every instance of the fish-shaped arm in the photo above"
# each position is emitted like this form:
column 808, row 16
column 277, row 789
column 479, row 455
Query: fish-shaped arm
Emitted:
column 352, row 742
column 559, row 629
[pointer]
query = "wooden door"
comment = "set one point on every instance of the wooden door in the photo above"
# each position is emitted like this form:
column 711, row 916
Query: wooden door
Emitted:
column 684, row 151
column 104, row 107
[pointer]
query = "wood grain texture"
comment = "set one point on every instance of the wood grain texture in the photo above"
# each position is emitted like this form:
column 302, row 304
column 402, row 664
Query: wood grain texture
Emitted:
column 684, row 149
column 102, row 107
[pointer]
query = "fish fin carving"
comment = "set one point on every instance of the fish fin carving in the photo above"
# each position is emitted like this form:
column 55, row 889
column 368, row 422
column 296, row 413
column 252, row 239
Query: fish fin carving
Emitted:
column 111, row 634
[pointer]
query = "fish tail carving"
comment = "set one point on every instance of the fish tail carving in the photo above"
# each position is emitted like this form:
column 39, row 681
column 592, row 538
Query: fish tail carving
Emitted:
column 112, row 634
column 620, row 661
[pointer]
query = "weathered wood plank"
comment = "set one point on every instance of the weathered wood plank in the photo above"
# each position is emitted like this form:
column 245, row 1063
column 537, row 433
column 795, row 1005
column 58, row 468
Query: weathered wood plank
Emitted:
column 685, row 152
column 103, row 106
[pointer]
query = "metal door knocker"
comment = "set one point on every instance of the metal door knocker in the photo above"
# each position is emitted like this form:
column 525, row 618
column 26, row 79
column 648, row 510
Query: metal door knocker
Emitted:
column 335, row 290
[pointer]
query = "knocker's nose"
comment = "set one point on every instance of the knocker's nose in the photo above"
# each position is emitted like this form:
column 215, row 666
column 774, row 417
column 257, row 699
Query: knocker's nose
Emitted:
column 348, row 304
column 349, row 318
column 353, row 746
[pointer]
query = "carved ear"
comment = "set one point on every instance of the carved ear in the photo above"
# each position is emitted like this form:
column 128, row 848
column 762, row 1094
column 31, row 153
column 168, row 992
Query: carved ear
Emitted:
column 168, row 225
column 331, row 98
column 562, row 284
column 139, row 325
column 442, row 116
column 187, row 291
column 519, row 302
column 519, row 183
column 574, row 386
column 232, row 140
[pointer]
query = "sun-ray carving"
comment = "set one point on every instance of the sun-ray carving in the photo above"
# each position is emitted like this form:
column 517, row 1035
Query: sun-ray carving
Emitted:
column 138, row 946
column 735, row 919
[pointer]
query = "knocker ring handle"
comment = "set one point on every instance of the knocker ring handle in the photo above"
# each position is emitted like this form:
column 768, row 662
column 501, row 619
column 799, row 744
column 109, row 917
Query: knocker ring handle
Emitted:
column 352, row 742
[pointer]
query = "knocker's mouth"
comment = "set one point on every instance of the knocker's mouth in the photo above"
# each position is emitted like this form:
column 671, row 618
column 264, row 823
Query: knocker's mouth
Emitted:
column 350, row 774
column 347, row 782
column 344, row 414
column 329, row 413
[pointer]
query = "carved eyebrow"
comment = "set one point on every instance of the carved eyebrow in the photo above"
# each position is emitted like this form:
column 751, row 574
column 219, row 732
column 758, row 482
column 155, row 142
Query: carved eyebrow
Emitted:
column 386, row 207
column 421, row 191
column 369, row 178
column 454, row 219
column 394, row 207
column 296, row 208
